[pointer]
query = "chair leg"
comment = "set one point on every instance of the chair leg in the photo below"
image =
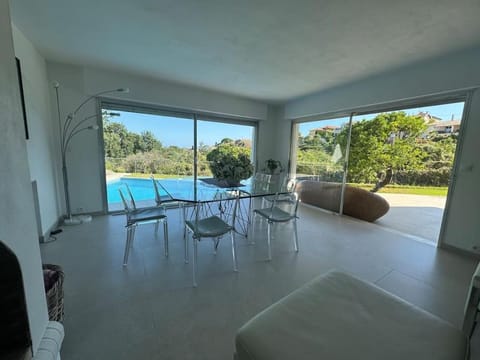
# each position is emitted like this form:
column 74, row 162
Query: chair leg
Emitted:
column 156, row 226
column 194, row 261
column 216, row 241
column 234, row 251
column 472, row 330
column 296, row 236
column 132, row 234
column 251, row 227
column 474, row 324
column 269, row 240
column 250, row 211
column 165, row 237
column 184, row 219
column 185, row 244
column 127, row 246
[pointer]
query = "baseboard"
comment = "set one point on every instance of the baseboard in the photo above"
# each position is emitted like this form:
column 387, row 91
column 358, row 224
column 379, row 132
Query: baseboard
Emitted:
column 459, row 251
column 46, row 235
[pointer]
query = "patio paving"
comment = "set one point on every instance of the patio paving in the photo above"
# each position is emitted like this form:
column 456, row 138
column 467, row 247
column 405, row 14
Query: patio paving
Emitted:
column 417, row 215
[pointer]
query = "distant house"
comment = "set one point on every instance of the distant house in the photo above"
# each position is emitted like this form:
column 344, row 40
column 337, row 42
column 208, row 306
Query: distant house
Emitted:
column 439, row 126
column 446, row 127
column 327, row 128
column 428, row 118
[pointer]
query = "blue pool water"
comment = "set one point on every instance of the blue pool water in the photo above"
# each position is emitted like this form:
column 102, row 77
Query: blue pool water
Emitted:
column 142, row 189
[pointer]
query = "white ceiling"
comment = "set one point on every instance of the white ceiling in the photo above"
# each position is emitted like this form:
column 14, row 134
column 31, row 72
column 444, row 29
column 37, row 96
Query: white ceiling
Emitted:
column 271, row 50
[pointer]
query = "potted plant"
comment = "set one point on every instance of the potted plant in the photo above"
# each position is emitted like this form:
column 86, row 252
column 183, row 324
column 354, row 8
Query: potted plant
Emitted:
column 230, row 163
column 272, row 165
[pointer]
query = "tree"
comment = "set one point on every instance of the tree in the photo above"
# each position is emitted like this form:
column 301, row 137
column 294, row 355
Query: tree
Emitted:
column 147, row 142
column 383, row 146
column 117, row 139
column 230, row 162
column 317, row 155
column 120, row 142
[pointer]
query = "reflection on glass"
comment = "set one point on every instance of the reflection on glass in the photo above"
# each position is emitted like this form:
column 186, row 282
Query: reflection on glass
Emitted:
column 234, row 138
column 320, row 157
column 139, row 145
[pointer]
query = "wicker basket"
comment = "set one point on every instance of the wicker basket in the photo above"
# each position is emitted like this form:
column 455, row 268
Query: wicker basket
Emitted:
column 54, row 292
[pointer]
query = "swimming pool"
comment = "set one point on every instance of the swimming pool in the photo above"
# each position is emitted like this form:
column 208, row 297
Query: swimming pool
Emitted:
column 142, row 189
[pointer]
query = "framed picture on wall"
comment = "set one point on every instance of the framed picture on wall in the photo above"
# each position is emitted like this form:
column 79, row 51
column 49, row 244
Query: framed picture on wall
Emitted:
column 22, row 97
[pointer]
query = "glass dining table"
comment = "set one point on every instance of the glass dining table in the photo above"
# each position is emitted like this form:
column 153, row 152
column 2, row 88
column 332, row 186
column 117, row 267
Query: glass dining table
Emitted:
column 215, row 196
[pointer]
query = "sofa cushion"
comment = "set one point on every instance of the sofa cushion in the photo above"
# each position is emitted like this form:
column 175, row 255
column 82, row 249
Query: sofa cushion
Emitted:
column 337, row 316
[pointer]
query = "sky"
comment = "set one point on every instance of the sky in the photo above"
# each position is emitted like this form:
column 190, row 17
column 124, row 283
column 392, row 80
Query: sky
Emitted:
column 445, row 112
column 179, row 131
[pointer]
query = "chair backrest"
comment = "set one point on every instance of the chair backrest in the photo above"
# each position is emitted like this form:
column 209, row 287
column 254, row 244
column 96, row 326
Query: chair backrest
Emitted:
column 291, row 185
column 157, row 186
column 128, row 203
column 158, row 198
column 224, row 211
column 126, row 206
column 132, row 200
column 290, row 206
column 261, row 182
column 288, row 184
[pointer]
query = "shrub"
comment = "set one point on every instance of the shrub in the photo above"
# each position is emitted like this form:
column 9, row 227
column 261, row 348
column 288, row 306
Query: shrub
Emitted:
column 431, row 177
column 230, row 162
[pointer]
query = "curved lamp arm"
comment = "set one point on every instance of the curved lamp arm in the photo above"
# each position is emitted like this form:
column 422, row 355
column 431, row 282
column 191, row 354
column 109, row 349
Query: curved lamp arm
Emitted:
column 71, row 116
column 122, row 90
column 72, row 135
column 67, row 134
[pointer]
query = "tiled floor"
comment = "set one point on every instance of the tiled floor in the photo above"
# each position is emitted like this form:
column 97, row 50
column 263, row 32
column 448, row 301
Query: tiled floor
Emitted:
column 149, row 310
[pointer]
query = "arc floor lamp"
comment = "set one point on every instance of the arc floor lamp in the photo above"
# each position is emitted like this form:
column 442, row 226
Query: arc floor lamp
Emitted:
column 69, row 128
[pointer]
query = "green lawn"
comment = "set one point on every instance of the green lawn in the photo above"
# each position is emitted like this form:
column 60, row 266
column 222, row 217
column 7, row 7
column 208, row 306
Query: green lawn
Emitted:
column 407, row 189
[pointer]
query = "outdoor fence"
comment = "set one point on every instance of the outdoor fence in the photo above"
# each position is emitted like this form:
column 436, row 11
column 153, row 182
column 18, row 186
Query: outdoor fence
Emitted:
column 169, row 167
column 430, row 177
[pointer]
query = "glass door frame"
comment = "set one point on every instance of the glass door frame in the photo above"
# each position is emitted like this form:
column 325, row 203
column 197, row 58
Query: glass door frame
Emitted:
column 405, row 104
column 195, row 116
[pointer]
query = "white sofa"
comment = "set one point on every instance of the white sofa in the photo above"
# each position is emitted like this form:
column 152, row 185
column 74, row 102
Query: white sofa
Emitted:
column 338, row 317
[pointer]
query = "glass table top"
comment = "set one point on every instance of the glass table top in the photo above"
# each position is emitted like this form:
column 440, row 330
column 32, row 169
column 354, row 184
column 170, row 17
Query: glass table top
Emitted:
column 208, row 189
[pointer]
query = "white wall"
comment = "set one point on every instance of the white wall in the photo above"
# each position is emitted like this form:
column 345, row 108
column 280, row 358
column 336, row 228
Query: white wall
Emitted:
column 462, row 228
column 17, row 218
column 449, row 73
column 77, row 82
column 40, row 150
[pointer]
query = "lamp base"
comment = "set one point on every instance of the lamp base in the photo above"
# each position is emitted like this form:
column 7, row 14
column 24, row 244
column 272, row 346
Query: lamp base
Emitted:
column 77, row 220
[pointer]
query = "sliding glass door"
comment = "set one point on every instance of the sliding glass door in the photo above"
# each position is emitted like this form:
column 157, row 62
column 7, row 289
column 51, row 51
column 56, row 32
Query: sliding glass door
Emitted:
column 320, row 156
column 140, row 142
column 210, row 134
column 139, row 145
column 405, row 156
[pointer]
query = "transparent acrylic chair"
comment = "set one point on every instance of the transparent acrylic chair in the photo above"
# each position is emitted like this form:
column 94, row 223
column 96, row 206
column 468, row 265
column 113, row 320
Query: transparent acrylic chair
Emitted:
column 288, row 185
column 261, row 182
column 280, row 212
column 161, row 200
column 214, row 226
column 137, row 217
